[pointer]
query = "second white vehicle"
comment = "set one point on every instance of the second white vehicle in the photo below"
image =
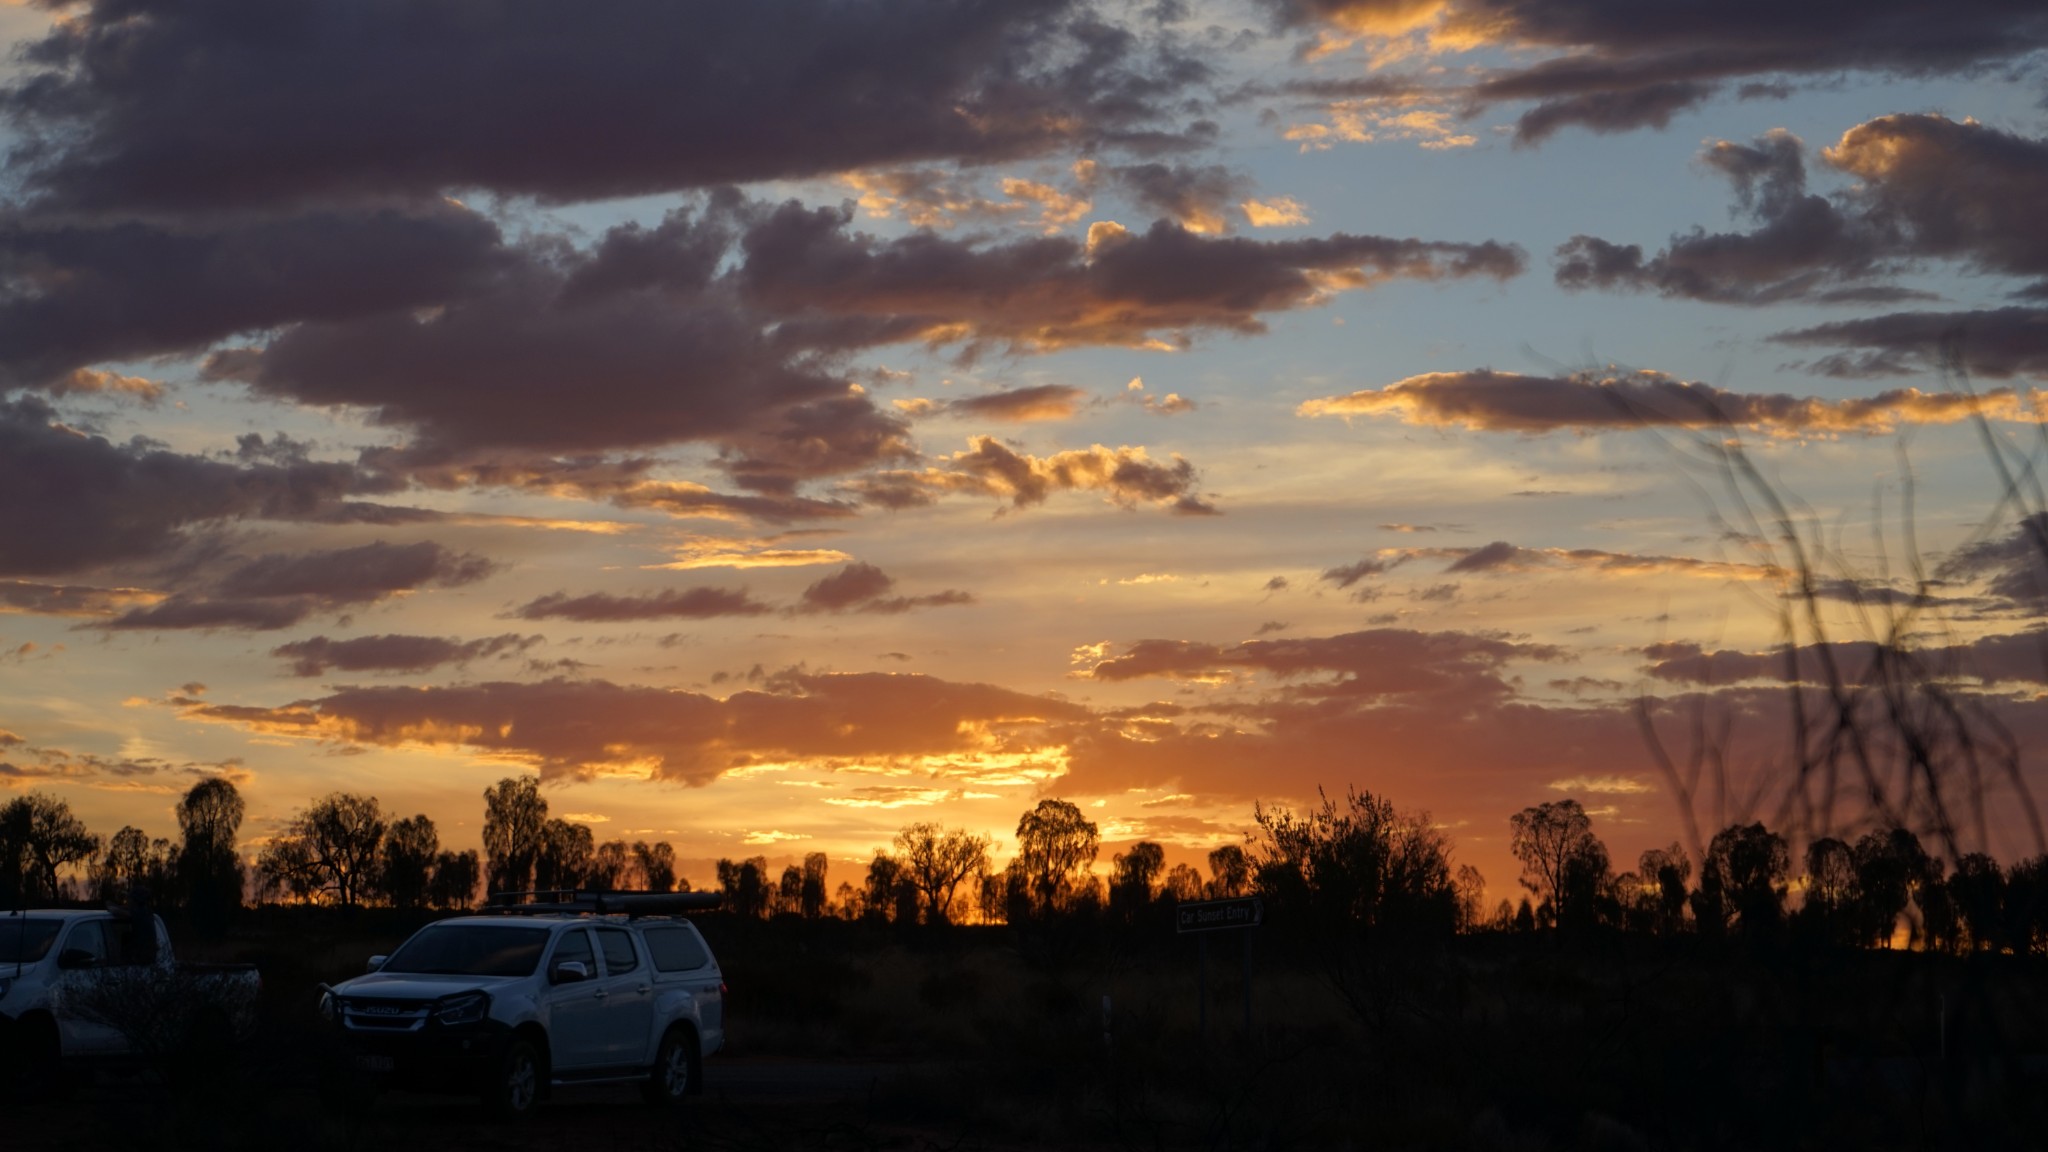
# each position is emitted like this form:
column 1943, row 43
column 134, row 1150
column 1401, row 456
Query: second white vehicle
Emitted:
column 592, row 989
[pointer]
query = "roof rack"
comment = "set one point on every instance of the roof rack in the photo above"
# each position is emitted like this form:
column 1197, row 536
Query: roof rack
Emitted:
column 576, row 902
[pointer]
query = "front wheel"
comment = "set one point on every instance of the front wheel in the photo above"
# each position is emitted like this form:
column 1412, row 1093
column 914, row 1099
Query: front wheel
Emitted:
column 513, row 1091
column 674, row 1073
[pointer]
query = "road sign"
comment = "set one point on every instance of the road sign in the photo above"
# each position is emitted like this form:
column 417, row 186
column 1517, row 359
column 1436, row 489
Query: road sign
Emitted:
column 1217, row 915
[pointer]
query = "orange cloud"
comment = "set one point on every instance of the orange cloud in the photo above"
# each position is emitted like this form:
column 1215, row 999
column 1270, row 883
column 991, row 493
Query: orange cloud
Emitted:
column 590, row 727
column 1127, row 475
column 1490, row 401
column 27, row 597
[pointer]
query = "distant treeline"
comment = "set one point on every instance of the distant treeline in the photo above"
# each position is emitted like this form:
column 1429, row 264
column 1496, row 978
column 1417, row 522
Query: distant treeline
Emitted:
column 1360, row 864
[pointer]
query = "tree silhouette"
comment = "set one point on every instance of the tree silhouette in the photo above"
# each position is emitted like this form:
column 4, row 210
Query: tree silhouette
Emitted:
column 1054, row 842
column 132, row 859
column 1751, row 862
column 1365, row 864
column 789, row 891
column 1471, row 889
column 1135, row 879
column 1978, row 888
column 1183, row 884
column 455, row 879
column 2026, row 905
column 39, row 837
column 209, row 869
column 1890, row 864
column 564, row 855
column 1667, row 871
column 609, row 864
column 408, row 860
column 1550, row 839
column 287, row 865
column 936, row 860
column 1586, row 896
column 331, row 846
column 746, row 886
column 879, row 895
column 1830, row 908
column 656, row 864
column 811, row 898
column 514, row 813
column 1230, row 872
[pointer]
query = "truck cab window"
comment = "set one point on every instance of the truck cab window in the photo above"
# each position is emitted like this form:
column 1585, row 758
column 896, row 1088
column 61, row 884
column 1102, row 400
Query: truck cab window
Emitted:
column 574, row 945
column 619, row 957
column 676, row 949
column 90, row 938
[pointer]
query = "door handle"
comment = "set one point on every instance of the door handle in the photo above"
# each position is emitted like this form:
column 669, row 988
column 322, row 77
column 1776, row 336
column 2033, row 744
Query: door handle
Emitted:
column 642, row 989
column 599, row 994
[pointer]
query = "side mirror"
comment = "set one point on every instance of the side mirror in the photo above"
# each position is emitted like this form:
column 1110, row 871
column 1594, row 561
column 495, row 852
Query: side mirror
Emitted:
column 375, row 963
column 569, row 972
column 76, row 958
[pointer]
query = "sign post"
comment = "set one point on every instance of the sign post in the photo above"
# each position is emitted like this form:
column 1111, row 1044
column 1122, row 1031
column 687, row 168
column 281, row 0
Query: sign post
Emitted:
column 1202, row 917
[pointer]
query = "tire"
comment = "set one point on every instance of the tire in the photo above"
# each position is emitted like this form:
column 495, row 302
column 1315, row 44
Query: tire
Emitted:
column 513, row 1088
column 675, row 1071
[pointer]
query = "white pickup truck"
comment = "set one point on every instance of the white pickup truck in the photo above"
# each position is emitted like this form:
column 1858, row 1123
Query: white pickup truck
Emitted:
column 510, row 1006
column 77, row 986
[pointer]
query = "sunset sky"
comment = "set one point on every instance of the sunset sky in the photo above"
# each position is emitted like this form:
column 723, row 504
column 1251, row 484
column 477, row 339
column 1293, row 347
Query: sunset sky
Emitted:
column 778, row 422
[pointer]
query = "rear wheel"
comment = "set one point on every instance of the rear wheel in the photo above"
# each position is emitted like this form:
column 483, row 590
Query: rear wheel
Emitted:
column 513, row 1090
column 674, row 1074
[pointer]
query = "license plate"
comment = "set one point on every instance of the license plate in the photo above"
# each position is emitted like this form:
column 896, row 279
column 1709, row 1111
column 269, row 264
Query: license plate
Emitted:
column 372, row 1062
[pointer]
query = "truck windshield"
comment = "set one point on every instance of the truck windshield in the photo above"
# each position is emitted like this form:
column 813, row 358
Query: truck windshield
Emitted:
column 25, row 941
column 470, row 950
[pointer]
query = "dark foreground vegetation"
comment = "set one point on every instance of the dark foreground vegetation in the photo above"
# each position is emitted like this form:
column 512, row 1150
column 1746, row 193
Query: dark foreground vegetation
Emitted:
column 1869, row 997
column 1001, row 1037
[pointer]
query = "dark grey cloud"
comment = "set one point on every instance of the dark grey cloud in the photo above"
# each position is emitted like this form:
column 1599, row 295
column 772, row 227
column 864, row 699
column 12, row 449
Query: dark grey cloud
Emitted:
column 1926, row 188
column 71, row 501
column 865, row 588
column 1954, row 189
column 1650, row 106
column 391, row 652
column 199, row 104
column 354, row 575
column 1349, row 574
column 1196, row 196
column 656, row 363
column 667, row 604
column 1377, row 662
column 1610, row 65
column 1804, row 244
column 279, row 589
column 2014, row 567
column 1497, row 556
column 76, row 293
column 1119, row 288
column 1995, row 342
column 729, row 324
column 2009, row 658
column 847, row 587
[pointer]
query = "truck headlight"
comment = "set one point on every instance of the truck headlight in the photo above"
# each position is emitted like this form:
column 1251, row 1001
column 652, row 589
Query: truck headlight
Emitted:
column 467, row 1008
